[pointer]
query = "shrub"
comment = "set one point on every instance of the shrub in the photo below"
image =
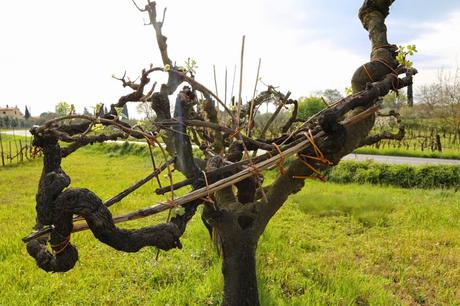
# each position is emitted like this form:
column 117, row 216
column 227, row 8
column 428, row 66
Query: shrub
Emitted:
column 404, row 176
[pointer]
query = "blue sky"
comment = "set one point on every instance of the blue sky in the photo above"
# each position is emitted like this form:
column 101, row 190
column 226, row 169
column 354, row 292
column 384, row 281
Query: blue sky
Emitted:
column 337, row 20
column 68, row 50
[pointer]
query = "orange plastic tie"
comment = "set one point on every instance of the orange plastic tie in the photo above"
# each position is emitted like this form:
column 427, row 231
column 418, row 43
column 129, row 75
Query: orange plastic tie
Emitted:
column 319, row 154
column 59, row 248
column 368, row 73
column 395, row 87
column 296, row 177
column 208, row 198
column 311, row 139
column 386, row 64
column 236, row 132
column 151, row 141
column 280, row 163
column 171, row 203
column 310, row 167
column 383, row 47
column 319, row 158
column 254, row 170
column 36, row 151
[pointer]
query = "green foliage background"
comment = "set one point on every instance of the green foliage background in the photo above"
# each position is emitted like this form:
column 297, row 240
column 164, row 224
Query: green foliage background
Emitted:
column 310, row 106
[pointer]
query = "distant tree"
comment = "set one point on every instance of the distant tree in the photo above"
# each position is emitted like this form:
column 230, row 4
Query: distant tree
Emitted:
column 62, row 108
column 146, row 110
column 125, row 111
column 46, row 116
column 72, row 110
column 441, row 99
column 274, row 128
column 26, row 113
column 86, row 112
column 103, row 110
column 6, row 122
column 330, row 95
column 310, row 106
column 14, row 122
column 394, row 101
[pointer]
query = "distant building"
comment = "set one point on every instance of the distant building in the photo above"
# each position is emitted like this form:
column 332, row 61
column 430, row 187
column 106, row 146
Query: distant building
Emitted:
column 12, row 112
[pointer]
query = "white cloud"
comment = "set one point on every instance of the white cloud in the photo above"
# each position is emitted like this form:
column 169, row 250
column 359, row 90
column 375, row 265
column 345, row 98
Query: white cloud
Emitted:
column 439, row 48
column 68, row 50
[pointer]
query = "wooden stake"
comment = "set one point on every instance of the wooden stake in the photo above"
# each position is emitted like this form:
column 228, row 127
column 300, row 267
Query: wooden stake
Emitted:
column 152, row 158
column 233, row 82
column 10, row 156
column 17, row 150
column 251, row 111
column 225, row 98
column 20, row 151
column 215, row 80
column 240, row 100
column 1, row 148
column 225, row 94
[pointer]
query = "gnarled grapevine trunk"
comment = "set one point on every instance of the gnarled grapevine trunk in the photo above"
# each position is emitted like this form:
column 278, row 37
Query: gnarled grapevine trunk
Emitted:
column 236, row 221
column 237, row 234
column 239, row 270
column 56, row 207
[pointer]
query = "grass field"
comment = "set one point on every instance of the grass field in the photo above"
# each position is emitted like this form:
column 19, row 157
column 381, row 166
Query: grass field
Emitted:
column 329, row 245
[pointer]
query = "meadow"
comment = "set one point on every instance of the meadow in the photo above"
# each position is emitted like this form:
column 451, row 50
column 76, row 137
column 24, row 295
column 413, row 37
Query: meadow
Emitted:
column 330, row 244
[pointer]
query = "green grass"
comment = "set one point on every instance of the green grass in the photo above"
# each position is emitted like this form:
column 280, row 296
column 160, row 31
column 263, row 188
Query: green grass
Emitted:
column 446, row 153
column 329, row 245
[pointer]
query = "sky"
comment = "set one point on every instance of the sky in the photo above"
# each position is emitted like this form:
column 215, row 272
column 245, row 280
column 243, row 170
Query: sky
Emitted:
column 61, row 50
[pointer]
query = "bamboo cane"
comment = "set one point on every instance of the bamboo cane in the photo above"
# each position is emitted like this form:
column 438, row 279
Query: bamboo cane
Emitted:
column 203, row 192
column 10, row 154
column 212, row 188
column 1, row 148
column 17, row 150
column 240, row 99
column 251, row 109
column 20, row 150
column 229, row 181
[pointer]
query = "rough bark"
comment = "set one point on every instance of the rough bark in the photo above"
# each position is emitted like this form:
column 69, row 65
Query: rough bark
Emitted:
column 233, row 228
column 86, row 204
column 185, row 161
column 239, row 270
column 57, row 207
